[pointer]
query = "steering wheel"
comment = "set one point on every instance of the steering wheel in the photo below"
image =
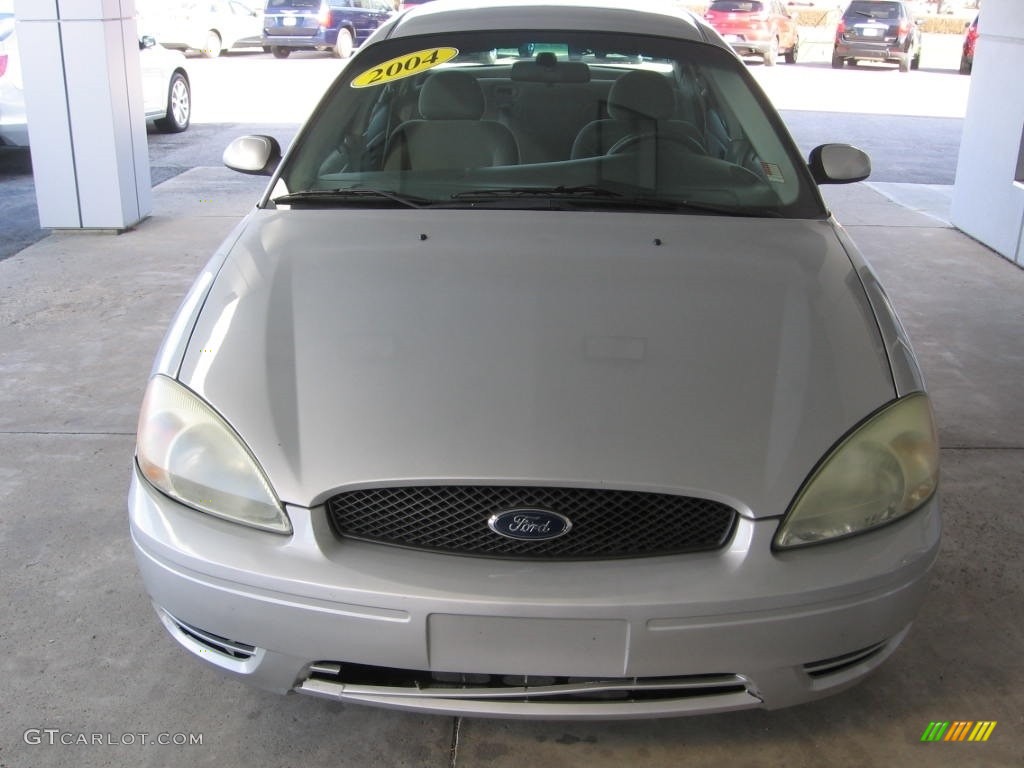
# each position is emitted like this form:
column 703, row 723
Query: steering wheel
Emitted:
column 633, row 141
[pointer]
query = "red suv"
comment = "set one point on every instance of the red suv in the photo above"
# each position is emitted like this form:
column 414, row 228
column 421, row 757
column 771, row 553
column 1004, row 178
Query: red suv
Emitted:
column 756, row 28
column 967, row 58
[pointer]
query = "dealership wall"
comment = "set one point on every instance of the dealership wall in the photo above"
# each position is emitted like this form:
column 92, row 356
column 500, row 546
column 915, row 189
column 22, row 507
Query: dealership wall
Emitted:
column 988, row 197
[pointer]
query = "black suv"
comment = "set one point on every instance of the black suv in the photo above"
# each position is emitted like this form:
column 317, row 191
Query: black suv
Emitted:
column 878, row 30
column 337, row 26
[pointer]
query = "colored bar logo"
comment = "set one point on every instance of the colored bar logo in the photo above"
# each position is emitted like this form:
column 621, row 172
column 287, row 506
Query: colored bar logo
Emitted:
column 959, row 730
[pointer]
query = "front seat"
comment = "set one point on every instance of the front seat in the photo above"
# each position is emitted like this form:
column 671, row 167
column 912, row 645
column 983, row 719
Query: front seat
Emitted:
column 450, row 133
column 640, row 104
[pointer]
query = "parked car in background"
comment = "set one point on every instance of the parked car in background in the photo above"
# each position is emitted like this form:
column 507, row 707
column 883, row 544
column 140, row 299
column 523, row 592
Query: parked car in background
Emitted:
column 338, row 26
column 13, row 127
column 970, row 40
column 207, row 26
column 762, row 28
column 539, row 386
column 406, row 4
column 166, row 88
column 877, row 30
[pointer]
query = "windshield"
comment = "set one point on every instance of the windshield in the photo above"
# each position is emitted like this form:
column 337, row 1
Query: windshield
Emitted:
column 556, row 120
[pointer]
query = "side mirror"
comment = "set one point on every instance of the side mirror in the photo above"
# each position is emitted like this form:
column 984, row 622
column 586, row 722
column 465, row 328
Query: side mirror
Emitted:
column 146, row 41
column 256, row 155
column 838, row 164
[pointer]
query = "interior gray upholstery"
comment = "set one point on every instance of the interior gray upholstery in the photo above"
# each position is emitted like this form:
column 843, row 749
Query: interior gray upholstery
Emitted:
column 450, row 133
column 639, row 103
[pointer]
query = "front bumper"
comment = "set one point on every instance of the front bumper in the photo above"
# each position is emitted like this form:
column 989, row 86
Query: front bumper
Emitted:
column 734, row 629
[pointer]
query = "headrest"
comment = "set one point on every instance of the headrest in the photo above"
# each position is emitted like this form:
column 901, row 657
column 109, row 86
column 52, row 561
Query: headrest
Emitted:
column 548, row 69
column 640, row 95
column 451, row 95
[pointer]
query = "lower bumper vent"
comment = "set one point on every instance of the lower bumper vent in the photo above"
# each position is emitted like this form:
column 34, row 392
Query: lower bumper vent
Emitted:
column 231, row 648
column 836, row 664
column 337, row 680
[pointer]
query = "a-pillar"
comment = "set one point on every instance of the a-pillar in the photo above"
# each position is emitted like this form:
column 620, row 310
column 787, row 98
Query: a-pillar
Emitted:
column 83, row 96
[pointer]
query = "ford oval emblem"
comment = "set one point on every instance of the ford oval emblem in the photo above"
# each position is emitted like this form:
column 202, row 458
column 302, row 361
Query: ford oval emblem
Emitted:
column 529, row 524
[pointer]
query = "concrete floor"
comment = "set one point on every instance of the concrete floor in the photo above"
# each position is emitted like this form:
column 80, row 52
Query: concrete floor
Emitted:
column 82, row 652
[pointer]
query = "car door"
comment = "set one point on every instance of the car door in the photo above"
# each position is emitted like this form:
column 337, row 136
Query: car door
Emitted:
column 243, row 23
column 154, row 78
column 366, row 16
column 784, row 24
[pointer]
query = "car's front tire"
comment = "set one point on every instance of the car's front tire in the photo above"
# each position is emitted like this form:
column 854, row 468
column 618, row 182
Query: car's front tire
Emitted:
column 345, row 45
column 213, row 45
column 179, row 106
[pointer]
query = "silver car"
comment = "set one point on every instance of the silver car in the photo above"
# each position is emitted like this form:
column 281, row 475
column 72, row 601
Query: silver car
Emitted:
column 539, row 383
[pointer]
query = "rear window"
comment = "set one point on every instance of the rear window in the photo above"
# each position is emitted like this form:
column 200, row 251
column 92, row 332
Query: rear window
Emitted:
column 873, row 9
column 737, row 6
column 296, row 4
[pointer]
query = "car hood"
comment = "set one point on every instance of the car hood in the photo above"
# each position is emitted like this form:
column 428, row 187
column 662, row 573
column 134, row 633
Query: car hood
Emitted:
column 714, row 356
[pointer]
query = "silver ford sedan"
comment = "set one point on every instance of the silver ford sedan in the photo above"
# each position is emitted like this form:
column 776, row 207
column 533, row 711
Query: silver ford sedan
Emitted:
column 539, row 383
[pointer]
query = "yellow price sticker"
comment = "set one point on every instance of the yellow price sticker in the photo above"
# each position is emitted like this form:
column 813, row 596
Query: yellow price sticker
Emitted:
column 404, row 66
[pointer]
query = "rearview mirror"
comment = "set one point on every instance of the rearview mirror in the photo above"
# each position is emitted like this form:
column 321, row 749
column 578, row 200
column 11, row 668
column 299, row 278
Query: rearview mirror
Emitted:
column 256, row 155
column 838, row 164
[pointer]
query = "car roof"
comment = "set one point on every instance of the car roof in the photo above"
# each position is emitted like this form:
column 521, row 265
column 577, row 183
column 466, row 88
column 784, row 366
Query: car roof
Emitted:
column 644, row 17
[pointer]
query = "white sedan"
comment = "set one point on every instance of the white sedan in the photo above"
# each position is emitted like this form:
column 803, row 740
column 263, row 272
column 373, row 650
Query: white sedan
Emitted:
column 166, row 89
column 540, row 382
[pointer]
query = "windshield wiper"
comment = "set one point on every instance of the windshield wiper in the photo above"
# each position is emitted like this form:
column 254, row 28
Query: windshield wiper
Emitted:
column 604, row 197
column 348, row 196
column 584, row 195
column 727, row 210
column 586, row 190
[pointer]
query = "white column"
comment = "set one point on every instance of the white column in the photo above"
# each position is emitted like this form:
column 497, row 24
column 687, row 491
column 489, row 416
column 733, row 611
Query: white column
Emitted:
column 988, row 197
column 83, row 96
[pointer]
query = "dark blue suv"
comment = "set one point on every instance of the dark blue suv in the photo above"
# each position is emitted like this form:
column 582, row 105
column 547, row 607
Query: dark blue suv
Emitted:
column 337, row 26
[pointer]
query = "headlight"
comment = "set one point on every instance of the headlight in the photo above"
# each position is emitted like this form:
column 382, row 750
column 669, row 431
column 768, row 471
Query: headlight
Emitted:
column 186, row 450
column 885, row 469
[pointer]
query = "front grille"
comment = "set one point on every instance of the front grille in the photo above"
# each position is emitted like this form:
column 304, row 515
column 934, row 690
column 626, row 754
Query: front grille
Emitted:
column 605, row 523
